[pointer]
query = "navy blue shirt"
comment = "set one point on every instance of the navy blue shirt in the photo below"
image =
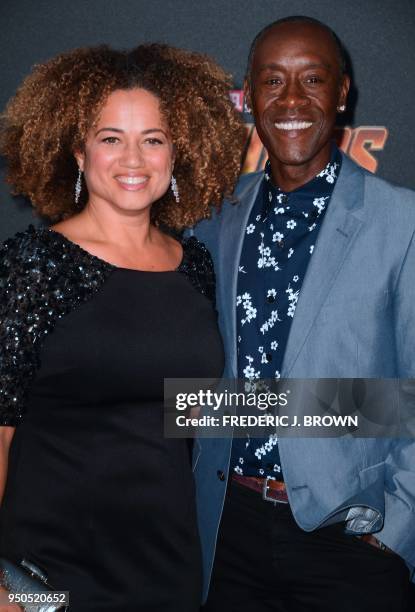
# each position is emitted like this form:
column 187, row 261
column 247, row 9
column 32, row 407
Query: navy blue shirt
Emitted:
column 279, row 240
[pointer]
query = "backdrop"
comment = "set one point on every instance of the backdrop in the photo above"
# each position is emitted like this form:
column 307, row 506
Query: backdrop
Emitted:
column 378, row 35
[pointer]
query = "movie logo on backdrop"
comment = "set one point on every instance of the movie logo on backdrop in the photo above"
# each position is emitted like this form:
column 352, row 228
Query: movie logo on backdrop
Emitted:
column 357, row 142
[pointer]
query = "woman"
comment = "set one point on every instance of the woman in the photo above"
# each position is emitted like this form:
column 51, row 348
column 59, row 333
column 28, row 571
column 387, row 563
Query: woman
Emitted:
column 96, row 310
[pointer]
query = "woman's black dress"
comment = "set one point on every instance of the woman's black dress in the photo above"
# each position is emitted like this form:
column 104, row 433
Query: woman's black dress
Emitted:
column 96, row 495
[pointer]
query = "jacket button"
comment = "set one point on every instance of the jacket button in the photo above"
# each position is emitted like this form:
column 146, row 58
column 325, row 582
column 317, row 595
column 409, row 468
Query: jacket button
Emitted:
column 220, row 475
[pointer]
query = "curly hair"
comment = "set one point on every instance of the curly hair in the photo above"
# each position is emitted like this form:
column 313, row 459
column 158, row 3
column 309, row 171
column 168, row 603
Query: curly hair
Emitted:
column 56, row 105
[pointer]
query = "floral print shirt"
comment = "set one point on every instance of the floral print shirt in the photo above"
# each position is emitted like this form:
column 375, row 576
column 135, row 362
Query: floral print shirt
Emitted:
column 279, row 240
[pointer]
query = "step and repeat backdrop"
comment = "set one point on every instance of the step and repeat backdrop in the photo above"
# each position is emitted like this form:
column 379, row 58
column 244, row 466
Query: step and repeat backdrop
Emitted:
column 377, row 129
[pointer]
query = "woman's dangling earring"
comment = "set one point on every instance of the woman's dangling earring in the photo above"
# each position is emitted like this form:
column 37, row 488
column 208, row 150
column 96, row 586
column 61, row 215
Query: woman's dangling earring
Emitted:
column 78, row 186
column 175, row 189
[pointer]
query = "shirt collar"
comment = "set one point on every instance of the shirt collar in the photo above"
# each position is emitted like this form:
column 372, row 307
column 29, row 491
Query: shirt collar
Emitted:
column 304, row 198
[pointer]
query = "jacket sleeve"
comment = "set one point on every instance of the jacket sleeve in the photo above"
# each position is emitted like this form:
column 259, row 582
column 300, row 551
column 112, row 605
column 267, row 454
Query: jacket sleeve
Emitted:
column 404, row 314
column 398, row 531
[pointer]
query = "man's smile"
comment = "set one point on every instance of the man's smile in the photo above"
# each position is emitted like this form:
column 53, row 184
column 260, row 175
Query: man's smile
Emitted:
column 293, row 125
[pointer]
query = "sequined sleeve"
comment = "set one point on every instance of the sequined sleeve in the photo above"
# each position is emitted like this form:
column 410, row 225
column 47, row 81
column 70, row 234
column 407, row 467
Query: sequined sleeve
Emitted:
column 197, row 264
column 42, row 278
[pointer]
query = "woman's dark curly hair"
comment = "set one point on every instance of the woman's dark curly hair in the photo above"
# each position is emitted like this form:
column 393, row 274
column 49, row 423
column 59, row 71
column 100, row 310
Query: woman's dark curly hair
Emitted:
column 51, row 113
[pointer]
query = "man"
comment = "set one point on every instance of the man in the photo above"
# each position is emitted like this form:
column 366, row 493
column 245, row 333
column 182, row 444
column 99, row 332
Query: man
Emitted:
column 315, row 266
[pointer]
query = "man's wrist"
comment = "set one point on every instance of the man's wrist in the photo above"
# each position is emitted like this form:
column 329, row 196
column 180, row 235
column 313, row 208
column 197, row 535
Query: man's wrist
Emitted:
column 369, row 538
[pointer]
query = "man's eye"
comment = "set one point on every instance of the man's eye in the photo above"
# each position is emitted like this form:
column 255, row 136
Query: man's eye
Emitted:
column 313, row 79
column 274, row 81
column 110, row 140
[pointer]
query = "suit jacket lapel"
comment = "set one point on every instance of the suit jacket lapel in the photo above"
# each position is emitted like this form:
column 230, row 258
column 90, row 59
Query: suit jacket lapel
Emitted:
column 232, row 232
column 342, row 220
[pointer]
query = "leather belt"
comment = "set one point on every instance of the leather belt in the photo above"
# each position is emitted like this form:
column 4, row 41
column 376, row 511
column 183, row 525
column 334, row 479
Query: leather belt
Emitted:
column 270, row 489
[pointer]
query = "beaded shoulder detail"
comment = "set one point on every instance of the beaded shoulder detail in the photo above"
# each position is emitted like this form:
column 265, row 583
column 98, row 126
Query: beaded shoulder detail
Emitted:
column 197, row 264
column 42, row 277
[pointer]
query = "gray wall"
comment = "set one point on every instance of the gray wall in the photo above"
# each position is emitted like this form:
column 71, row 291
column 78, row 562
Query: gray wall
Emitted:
column 378, row 34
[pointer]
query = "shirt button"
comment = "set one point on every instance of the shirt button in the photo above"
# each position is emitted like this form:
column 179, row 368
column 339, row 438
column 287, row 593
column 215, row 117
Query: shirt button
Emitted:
column 283, row 198
column 220, row 475
column 270, row 299
column 280, row 244
column 269, row 357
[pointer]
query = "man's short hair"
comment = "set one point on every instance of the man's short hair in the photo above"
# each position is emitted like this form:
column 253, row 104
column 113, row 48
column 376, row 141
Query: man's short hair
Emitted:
column 298, row 19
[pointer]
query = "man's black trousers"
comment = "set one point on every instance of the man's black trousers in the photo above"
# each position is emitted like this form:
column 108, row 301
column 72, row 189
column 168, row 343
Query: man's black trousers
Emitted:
column 265, row 562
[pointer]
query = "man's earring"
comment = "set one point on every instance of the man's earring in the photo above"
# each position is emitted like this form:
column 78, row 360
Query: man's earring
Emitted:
column 78, row 186
column 341, row 109
column 175, row 189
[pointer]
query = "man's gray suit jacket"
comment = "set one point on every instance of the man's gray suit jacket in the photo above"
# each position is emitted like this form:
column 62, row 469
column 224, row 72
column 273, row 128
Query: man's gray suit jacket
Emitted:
column 355, row 318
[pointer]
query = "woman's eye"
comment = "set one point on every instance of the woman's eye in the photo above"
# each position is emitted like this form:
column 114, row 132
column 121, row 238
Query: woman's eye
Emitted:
column 110, row 140
column 154, row 141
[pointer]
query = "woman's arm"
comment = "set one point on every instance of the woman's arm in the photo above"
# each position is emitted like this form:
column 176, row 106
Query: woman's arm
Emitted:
column 6, row 436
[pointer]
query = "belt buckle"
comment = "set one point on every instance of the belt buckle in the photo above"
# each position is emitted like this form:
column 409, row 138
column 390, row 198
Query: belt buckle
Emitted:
column 270, row 499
